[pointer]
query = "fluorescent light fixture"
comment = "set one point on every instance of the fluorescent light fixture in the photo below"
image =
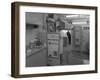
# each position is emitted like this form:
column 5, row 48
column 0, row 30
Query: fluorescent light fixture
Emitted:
column 69, row 16
column 79, row 22
column 77, row 16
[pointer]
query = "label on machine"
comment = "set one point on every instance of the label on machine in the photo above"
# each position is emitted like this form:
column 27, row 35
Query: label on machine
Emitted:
column 53, row 48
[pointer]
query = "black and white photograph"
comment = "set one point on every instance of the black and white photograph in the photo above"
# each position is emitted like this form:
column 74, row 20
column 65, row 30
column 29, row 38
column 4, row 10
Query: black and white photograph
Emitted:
column 57, row 39
column 52, row 39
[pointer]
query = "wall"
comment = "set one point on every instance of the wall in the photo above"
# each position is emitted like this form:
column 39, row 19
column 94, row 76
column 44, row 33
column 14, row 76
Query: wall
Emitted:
column 5, row 40
column 31, row 32
column 36, row 19
column 85, row 39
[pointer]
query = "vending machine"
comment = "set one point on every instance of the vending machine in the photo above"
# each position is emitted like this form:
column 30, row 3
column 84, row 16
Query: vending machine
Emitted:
column 53, row 38
column 53, row 49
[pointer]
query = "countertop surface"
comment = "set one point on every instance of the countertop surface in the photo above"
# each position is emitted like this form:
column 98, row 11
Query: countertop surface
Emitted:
column 33, row 51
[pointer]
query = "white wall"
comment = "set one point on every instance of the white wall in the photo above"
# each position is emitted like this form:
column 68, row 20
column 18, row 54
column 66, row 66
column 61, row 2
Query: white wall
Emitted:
column 35, row 18
column 5, row 40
